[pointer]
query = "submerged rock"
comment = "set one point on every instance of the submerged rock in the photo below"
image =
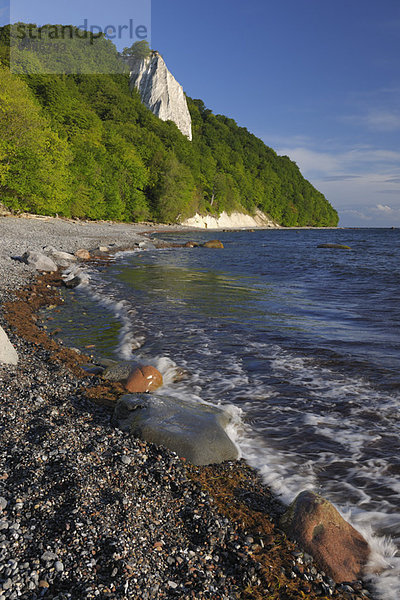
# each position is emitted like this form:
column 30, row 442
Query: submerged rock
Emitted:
column 39, row 261
column 319, row 528
column 144, row 379
column 8, row 354
column 338, row 246
column 213, row 244
column 194, row 431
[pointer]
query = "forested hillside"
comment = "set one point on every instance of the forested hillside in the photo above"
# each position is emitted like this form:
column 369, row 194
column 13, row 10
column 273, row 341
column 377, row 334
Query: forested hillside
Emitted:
column 85, row 146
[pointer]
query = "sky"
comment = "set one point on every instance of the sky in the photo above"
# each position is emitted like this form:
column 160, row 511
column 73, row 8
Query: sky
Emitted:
column 317, row 80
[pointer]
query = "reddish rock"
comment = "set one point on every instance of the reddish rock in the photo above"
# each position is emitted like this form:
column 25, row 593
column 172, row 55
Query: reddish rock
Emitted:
column 319, row 528
column 144, row 379
column 213, row 244
column 82, row 254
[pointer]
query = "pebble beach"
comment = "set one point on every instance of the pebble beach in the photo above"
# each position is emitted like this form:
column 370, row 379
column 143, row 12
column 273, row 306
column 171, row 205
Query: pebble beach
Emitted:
column 88, row 511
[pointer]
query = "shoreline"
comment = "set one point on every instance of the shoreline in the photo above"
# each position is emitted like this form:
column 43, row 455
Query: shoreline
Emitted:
column 104, row 475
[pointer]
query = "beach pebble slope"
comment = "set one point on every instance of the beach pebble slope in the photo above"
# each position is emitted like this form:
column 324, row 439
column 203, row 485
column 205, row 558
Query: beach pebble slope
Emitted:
column 87, row 511
column 8, row 355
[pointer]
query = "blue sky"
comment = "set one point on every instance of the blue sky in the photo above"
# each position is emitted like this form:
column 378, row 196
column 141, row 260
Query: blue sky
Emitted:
column 317, row 80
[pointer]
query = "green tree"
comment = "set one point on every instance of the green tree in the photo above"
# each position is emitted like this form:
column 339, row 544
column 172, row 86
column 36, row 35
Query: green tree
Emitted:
column 139, row 50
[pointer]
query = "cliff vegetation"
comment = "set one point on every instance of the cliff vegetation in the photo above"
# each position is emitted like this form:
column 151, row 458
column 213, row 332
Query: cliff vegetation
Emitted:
column 85, row 146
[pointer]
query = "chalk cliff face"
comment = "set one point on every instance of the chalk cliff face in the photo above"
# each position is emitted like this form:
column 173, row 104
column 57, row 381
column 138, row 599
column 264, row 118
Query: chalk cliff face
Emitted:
column 160, row 91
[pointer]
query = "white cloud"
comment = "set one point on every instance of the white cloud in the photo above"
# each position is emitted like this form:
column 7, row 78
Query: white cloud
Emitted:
column 382, row 120
column 355, row 180
column 384, row 208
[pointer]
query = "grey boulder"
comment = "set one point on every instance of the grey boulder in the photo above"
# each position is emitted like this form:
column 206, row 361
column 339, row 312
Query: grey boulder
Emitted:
column 74, row 276
column 119, row 371
column 194, row 431
column 8, row 354
column 62, row 259
column 39, row 261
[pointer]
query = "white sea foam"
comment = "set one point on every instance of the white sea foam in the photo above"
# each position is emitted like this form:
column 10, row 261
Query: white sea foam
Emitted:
column 285, row 474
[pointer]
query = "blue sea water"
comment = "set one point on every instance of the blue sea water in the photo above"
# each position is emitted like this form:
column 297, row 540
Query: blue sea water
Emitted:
column 301, row 344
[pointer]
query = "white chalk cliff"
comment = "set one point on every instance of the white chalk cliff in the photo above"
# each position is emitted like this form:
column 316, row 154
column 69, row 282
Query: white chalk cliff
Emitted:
column 233, row 221
column 160, row 91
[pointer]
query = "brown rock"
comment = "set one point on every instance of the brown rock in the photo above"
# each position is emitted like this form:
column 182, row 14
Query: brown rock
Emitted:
column 322, row 532
column 82, row 254
column 144, row 379
column 213, row 244
column 190, row 245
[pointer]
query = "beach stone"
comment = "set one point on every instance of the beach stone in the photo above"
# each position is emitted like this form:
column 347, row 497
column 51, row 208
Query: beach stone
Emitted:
column 74, row 276
column 62, row 259
column 82, row 254
column 147, row 245
column 8, row 354
column 39, row 261
column 119, row 371
column 213, row 244
column 194, row 431
column 144, row 379
column 338, row 246
column 319, row 528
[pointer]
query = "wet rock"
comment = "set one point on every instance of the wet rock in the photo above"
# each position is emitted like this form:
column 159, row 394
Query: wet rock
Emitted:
column 213, row 244
column 93, row 369
column 8, row 354
column 147, row 245
column 119, row 371
column 195, row 432
column 144, row 379
column 319, row 528
column 74, row 276
column 39, row 261
column 191, row 245
column 338, row 246
column 82, row 254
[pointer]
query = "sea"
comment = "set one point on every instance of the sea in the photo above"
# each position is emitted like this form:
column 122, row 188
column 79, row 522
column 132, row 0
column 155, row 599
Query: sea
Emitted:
column 300, row 344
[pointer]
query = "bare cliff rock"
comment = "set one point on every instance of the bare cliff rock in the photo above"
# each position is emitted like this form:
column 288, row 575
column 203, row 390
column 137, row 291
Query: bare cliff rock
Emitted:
column 160, row 91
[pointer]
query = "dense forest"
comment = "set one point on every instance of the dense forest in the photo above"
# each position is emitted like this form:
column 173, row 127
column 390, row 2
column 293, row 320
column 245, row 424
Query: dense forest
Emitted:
column 85, row 146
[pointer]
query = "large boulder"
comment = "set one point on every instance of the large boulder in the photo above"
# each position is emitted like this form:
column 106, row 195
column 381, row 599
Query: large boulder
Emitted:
column 144, row 379
column 319, row 528
column 8, row 354
column 62, row 259
column 337, row 246
column 39, row 261
column 213, row 244
column 194, row 431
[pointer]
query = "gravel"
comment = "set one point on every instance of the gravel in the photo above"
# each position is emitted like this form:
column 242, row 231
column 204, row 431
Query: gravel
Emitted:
column 21, row 234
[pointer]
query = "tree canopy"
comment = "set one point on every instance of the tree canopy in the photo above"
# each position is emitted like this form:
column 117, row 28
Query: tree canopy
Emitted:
column 84, row 145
